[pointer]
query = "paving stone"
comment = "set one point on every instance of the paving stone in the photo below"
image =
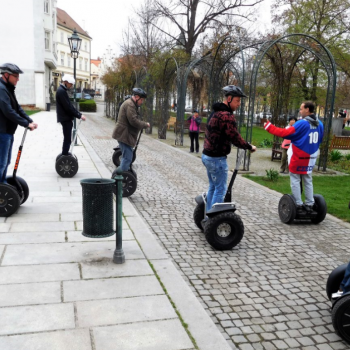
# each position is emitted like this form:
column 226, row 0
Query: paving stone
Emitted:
column 61, row 340
column 158, row 335
column 32, row 237
column 39, row 318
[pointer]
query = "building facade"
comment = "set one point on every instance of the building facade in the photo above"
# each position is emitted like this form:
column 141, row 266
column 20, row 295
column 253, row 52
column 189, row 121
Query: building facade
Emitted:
column 65, row 63
column 96, row 74
column 28, row 40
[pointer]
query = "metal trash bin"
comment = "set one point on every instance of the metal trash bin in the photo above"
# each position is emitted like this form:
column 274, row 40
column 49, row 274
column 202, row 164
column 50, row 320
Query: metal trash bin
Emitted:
column 48, row 107
column 97, row 207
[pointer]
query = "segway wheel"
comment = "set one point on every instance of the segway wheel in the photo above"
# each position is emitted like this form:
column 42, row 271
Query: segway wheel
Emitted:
column 224, row 231
column 287, row 209
column 117, row 157
column 321, row 207
column 23, row 184
column 334, row 280
column 67, row 166
column 9, row 200
column 129, row 183
column 70, row 154
column 341, row 318
column 198, row 215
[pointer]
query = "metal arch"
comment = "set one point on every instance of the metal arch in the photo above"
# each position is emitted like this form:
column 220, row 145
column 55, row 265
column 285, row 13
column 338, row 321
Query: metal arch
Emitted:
column 328, row 64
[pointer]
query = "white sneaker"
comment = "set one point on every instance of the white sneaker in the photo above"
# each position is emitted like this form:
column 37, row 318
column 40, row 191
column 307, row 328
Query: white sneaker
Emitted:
column 337, row 295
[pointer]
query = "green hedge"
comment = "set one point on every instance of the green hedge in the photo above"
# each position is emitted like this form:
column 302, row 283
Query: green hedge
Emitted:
column 87, row 106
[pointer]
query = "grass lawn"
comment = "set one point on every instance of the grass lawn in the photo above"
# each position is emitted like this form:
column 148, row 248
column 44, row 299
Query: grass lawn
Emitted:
column 31, row 112
column 335, row 190
column 260, row 137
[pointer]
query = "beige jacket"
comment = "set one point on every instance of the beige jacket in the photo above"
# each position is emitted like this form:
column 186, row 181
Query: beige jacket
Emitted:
column 129, row 123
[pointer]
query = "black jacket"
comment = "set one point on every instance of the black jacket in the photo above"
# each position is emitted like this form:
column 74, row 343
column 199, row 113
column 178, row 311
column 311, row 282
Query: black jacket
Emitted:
column 64, row 107
column 11, row 113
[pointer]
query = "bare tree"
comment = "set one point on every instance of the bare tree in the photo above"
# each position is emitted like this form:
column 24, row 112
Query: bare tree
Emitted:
column 194, row 17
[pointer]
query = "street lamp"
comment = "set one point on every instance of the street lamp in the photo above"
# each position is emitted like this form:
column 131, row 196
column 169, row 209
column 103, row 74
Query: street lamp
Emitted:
column 74, row 45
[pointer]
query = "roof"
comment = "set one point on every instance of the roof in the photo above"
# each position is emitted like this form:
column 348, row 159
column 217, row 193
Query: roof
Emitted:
column 68, row 22
column 95, row 62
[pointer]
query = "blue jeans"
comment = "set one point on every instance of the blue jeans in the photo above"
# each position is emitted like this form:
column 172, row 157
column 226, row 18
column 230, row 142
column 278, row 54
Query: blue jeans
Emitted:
column 6, row 142
column 217, row 170
column 127, row 155
column 345, row 284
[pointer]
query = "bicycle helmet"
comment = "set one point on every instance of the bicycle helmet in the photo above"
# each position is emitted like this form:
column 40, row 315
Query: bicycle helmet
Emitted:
column 234, row 91
column 139, row 92
column 10, row 68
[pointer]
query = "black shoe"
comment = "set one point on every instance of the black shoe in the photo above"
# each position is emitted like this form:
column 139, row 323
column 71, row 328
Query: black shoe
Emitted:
column 191, row 151
column 281, row 172
column 308, row 208
column 300, row 209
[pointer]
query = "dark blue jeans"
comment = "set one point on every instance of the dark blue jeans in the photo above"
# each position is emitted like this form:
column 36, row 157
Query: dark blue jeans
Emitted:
column 127, row 154
column 345, row 285
column 6, row 142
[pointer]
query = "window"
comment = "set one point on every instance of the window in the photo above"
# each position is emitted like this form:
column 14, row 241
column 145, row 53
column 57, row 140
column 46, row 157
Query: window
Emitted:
column 62, row 58
column 47, row 40
column 46, row 6
column 62, row 37
column 68, row 60
column 86, row 64
column 85, row 45
column 80, row 63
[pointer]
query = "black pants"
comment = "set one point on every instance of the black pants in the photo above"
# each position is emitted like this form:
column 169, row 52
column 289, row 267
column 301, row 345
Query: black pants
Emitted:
column 67, row 136
column 194, row 138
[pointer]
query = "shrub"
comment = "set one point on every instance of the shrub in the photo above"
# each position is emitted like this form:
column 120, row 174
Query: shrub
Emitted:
column 266, row 143
column 87, row 106
column 272, row 175
column 347, row 156
column 335, row 155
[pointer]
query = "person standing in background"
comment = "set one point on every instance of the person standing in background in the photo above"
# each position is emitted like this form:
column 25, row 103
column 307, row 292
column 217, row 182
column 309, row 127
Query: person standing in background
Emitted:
column 195, row 122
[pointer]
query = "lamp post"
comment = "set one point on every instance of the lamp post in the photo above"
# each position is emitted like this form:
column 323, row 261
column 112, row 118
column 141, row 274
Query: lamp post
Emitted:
column 74, row 45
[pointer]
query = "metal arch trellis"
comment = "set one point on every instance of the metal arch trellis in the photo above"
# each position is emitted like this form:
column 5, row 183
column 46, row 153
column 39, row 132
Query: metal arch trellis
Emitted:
column 327, row 60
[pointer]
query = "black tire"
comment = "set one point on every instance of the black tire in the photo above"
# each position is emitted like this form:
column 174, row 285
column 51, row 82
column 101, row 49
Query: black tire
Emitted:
column 129, row 183
column 334, row 280
column 23, row 184
column 287, row 210
column 321, row 207
column 9, row 200
column 341, row 318
column 198, row 215
column 116, row 158
column 224, row 231
column 70, row 154
column 67, row 166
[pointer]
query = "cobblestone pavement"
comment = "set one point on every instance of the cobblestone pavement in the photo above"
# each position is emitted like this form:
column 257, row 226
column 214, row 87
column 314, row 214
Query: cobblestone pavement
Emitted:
column 266, row 293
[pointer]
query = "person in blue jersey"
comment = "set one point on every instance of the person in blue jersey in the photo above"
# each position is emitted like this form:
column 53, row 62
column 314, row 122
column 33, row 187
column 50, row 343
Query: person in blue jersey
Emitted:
column 306, row 136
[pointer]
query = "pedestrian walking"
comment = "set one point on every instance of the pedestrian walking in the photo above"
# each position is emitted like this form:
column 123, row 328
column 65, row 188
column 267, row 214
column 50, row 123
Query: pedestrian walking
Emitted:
column 128, row 127
column 11, row 115
column 193, row 130
column 66, row 112
column 285, row 145
column 306, row 136
column 220, row 134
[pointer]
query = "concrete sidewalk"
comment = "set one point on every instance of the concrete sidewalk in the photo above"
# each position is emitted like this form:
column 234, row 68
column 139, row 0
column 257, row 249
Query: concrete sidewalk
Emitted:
column 60, row 290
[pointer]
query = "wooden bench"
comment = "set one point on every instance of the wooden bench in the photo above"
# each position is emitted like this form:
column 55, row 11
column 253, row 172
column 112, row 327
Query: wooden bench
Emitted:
column 340, row 142
column 172, row 123
column 276, row 151
column 202, row 126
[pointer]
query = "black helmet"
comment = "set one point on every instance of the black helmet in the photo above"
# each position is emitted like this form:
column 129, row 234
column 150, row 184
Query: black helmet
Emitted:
column 139, row 92
column 127, row 97
column 232, row 90
column 10, row 68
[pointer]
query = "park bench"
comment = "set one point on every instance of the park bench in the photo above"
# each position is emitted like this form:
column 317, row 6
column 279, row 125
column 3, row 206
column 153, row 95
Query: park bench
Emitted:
column 340, row 142
column 187, row 123
column 171, row 123
column 276, row 151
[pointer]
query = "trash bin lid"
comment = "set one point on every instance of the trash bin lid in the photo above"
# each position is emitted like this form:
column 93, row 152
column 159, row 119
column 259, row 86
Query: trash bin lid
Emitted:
column 97, row 181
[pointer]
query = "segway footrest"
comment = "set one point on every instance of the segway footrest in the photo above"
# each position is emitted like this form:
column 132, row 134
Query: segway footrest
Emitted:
column 221, row 207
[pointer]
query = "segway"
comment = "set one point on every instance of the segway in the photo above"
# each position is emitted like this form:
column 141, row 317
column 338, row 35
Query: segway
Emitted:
column 129, row 177
column 287, row 209
column 16, row 191
column 67, row 165
column 223, row 228
column 340, row 303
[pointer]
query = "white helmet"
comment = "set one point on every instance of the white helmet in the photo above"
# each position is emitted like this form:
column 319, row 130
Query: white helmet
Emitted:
column 69, row 79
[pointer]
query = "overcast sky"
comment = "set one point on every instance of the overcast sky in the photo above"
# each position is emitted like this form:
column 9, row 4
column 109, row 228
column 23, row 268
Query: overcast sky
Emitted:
column 105, row 20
